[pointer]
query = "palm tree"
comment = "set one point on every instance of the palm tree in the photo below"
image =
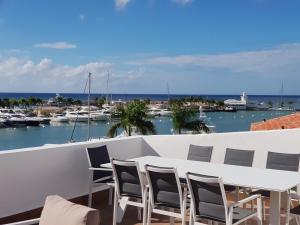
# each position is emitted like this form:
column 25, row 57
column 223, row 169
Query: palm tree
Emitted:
column 133, row 116
column 185, row 119
column 13, row 102
column 23, row 102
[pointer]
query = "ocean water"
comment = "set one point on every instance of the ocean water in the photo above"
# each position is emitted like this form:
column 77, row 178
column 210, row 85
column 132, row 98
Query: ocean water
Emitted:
column 13, row 138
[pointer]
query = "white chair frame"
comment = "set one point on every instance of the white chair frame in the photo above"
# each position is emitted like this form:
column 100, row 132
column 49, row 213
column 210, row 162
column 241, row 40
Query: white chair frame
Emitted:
column 292, row 196
column 228, row 207
column 118, row 199
column 182, row 196
column 93, row 183
column 25, row 222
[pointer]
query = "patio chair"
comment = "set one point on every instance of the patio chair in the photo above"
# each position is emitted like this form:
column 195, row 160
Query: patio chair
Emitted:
column 237, row 157
column 278, row 161
column 166, row 195
column 293, row 211
column 129, row 187
column 58, row 211
column 209, row 202
column 200, row 153
column 99, row 177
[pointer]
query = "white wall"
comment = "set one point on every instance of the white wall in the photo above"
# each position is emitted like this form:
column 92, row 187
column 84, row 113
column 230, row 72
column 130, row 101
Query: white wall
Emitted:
column 27, row 176
column 176, row 146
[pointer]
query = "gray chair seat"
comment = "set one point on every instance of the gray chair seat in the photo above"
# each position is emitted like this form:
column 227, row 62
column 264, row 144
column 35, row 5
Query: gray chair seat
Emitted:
column 238, row 214
column 169, row 205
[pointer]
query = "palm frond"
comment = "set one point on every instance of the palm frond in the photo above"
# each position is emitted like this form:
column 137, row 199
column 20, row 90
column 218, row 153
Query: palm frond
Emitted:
column 112, row 132
column 146, row 127
column 196, row 125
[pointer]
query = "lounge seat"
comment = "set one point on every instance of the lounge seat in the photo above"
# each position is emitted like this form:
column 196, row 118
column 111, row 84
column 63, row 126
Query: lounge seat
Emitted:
column 58, row 211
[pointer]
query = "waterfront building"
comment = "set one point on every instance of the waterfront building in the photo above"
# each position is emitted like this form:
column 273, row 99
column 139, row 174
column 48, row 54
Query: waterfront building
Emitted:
column 245, row 104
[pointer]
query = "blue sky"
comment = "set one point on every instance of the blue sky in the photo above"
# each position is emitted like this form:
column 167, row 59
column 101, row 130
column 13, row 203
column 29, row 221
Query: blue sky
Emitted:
column 197, row 46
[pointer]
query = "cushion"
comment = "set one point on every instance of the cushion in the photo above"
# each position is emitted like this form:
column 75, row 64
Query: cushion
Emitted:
column 58, row 211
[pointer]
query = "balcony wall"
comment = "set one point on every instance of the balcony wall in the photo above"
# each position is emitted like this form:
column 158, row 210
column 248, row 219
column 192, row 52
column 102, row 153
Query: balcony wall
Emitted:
column 27, row 176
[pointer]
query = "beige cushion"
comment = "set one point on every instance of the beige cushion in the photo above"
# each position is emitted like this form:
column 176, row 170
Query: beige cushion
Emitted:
column 58, row 211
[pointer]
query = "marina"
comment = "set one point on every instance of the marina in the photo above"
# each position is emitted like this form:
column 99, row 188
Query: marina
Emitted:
column 60, row 132
column 62, row 119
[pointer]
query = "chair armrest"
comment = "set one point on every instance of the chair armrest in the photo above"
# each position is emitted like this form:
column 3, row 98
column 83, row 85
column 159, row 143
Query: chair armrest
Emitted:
column 294, row 195
column 100, row 169
column 244, row 201
column 103, row 179
column 25, row 222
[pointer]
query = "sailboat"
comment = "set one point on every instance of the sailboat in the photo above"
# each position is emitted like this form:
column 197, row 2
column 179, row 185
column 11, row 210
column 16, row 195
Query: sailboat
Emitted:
column 203, row 117
column 282, row 107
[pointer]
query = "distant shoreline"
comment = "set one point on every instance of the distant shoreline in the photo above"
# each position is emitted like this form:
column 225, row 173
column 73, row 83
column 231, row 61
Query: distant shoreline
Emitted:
column 174, row 94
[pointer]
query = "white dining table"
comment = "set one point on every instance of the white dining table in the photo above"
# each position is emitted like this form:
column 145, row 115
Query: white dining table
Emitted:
column 275, row 181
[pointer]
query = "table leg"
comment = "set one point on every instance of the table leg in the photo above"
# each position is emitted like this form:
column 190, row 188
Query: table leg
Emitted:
column 275, row 202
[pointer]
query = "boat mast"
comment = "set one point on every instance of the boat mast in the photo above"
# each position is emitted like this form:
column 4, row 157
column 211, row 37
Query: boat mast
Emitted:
column 89, row 107
column 168, row 89
column 107, row 90
column 281, row 97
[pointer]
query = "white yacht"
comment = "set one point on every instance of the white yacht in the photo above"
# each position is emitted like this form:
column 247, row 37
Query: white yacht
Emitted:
column 95, row 113
column 3, row 121
column 283, row 108
column 77, row 116
column 59, row 118
column 99, row 115
column 154, row 111
column 17, row 120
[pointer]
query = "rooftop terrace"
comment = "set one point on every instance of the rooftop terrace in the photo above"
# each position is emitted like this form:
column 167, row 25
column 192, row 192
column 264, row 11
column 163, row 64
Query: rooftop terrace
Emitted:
column 34, row 173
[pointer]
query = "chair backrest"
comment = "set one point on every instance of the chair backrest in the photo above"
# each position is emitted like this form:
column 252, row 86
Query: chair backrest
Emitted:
column 164, row 185
column 97, row 156
column 283, row 161
column 200, row 153
column 128, row 178
column 208, row 197
column 238, row 157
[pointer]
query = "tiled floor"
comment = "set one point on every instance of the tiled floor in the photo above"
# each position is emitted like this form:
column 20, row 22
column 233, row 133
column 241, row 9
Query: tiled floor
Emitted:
column 100, row 201
column 130, row 217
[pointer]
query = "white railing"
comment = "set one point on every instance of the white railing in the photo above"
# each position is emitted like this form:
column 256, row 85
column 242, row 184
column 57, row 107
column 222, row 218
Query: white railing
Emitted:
column 27, row 176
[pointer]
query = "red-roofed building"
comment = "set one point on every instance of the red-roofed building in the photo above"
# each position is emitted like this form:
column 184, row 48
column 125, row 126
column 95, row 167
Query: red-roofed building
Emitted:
column 283, row 122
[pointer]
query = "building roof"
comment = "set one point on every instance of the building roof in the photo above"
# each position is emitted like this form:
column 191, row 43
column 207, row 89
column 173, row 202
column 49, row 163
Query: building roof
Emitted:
column 283, row 122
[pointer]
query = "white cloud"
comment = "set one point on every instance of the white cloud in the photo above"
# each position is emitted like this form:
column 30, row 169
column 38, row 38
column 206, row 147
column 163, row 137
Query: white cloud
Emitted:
column 282, row 57
column 16, row 51
column 82, row 16
column 56, row 45
column 20, row 74
column 121, row 4
column 183, row 2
